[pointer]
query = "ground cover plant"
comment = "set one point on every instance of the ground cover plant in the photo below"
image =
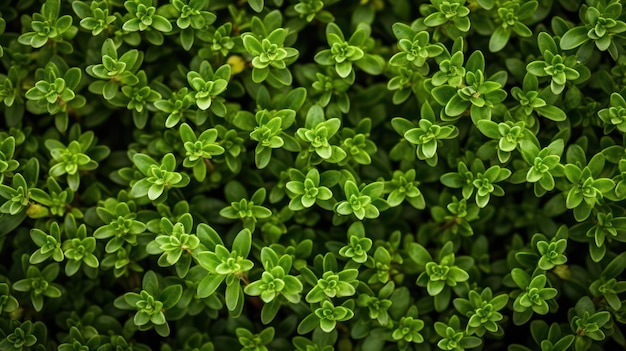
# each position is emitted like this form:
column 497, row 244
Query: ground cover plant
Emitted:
column 312, row 175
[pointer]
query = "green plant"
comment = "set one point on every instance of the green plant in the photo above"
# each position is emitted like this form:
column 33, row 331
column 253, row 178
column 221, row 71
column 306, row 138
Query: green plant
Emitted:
column 47, row 25
column 157, row 178
column 441, row 277
column 26, row 335
column 275, row 281
column 38, row 283
column 479, row 94
column 586, row 323
column 224, row 265
column 452, row 338
column 317, row 133
column 175, row 244
column 270, row 57
column 547, row 337
column 600, row 25
column 8, row 303
column 408, row 329
column 17, row 196
column 249, row 211
column 478, row 178
column 199, row 150
column 307, row 188
column 142, row 17
column 358, row 244
column 427, row 136
column 608, row 286
column 94, row 17
column 559, row 68
column 312, row 175
column 74, row 158
column 451, row 16
column 326, row 317
column 482, row 311
column 117, row 71
column 343, row 53
column 7, row 163
column 255, row 342
column 362, row 203
column 151, row 303
column 54, row 93
column 533, row 296
column 510, row 16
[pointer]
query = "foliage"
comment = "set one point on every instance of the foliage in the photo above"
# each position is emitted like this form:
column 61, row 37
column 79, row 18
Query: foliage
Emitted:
column 372, row 175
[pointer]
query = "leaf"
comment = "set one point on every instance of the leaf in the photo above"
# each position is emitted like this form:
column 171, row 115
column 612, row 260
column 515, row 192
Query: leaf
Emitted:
column 309, row 323
column 273, row 20
column 50, row 10
column 333, row 29
column 144, row 162
column 527, row 9
column 564, row 343
column 283, row 76
column 324, row 57
column 522, row 30
column 259, row 74
column 161, row 24
column 373, row 190
column 209, row 284
column 81, row 9
column 372, row 64
column 596, row 164
column 584, row 304
column 209, row 238
column 499, row 39
column 419, row 254
column 277, row 36
column 401, row 125
column 475, row 62
column 171, row 295
column 295, row 99
column 186, row 133
column 252, row 44
column 187, row 38
column 456, row 106
column 520, row 278
column 429, row 149
column 402, row 31
column 452, row 180
column 256, row 5
column 600, row 318
column 443, row 94
column 72, row 77
column 615, row 267
column 109, row 90
column 263, row 157
column 552, row 112
column 344, row 68
column 435, row 19
column 244, row 120
column 232, row 295
column 469, row 342
column 150, row 283
column 546, row 43
column 442, row 298
column 269, row 311
column 242, row 243
column 489, row 129
column 573, row 38
column 575, row 156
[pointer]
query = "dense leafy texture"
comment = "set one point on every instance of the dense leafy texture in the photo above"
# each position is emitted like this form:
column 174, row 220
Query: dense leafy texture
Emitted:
column 372, row 175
